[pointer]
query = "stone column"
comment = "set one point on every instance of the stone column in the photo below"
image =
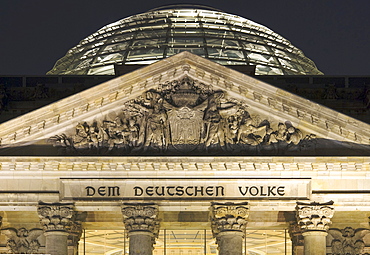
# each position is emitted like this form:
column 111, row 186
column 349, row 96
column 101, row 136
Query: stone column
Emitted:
column 314, row 220
column 229, row 221
column 75, row 232
column 296, row 236
column 141, row 222
column 56, row 221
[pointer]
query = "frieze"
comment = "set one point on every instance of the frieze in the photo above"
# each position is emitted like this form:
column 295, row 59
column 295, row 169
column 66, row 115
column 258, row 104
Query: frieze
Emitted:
column 183, row 116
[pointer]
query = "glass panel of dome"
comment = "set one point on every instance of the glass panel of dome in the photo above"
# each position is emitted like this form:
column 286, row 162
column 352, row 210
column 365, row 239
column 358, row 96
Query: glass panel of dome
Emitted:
column 114, row 47
column 186, row 32
column 255, row 47
column 286, row 63
column 281, row 53
column 222, row 42
column 185, row 25
column 216, row 26
column 116, row 57
column 267, row 70
column 186, row 41
column 218, row 33
column 263, row 58
column 145, row 53
column 151, row 42
column 158, row 33
column 90, row 53
column 229, row 62
column 84, row 63
column 224, row 53
column 102, row 70
column 196, row 51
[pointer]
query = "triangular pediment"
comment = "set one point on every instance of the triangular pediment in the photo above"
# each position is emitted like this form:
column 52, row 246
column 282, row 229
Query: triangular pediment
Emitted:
column 185, row 104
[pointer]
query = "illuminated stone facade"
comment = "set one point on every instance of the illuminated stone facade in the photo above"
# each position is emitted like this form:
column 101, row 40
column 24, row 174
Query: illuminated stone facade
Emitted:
column 181, row 145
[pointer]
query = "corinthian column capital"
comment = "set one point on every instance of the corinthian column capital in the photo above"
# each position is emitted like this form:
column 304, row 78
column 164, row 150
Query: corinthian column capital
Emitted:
column 314, row 216
column 141, row 217
column 228, row 217
column 55, row 216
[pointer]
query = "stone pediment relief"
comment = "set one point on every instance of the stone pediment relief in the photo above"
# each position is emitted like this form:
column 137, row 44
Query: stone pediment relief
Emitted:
column 181, row 117
column 184, row 105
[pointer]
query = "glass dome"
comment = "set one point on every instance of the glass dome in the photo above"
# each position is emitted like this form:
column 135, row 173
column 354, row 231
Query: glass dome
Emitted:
column 159, row 33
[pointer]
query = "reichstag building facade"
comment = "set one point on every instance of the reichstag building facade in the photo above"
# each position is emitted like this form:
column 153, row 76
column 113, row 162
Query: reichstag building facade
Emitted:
column 185, row 130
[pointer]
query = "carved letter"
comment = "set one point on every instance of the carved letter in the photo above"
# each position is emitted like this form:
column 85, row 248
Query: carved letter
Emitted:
column 102, row 191
column 209, row 190
column 90, row 191
column 270, row 190
column 198, row 189
column 113, row 191
column 281, row 191
column 222, row 190
column 255, row 192
column 180, row 191
column 168, row 190
column 138, row 191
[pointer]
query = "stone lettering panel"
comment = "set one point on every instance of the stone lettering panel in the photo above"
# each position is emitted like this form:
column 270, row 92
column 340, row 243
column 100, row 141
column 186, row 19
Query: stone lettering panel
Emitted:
column 179, row 189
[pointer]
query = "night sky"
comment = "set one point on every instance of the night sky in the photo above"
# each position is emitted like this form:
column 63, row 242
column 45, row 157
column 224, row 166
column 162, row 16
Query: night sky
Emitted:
column 335, row 34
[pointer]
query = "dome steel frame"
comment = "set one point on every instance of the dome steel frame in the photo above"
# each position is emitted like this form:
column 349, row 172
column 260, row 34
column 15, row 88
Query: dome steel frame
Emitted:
column 162, row 32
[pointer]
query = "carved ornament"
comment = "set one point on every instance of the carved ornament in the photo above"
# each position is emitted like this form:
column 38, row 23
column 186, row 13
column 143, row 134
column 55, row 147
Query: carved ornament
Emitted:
column 314, row 216
column 348, row 241
column 228, row 217
column 22, row 241
column 141, row 217
column 56, row 216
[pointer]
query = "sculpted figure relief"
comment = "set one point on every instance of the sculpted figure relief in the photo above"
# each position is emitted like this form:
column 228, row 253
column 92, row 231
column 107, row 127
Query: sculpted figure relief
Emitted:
column 182, row 116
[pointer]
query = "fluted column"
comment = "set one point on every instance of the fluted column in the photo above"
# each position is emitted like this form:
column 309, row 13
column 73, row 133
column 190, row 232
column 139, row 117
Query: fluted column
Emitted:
column 55, row 219
column 314, row 220
column 141, row 222
column 229, row 221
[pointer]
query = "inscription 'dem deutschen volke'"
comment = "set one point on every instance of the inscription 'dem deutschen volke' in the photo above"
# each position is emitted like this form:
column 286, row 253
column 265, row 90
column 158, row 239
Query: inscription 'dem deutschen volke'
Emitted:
column 175, row 188
column 185, row 191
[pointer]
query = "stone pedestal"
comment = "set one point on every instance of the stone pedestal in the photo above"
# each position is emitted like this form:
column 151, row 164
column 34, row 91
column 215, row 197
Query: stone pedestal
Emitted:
column 228, row 225
column 56, row 221
column 314, row 220
column 141, row 222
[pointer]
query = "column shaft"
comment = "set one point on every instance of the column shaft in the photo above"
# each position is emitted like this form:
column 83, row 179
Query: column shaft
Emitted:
column 141, row 222
column 56, row 242
column 315, row 242
column 229, row 221
column 230, row 243
column 314, row 220
column 141, row 243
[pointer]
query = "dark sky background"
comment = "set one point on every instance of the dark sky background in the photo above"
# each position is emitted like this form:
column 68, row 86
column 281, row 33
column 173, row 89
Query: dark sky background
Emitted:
column 335, row 34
